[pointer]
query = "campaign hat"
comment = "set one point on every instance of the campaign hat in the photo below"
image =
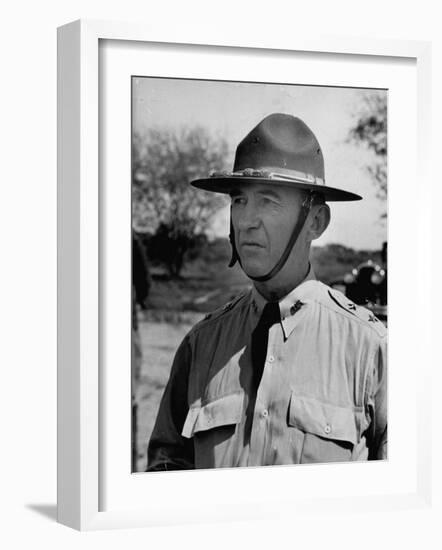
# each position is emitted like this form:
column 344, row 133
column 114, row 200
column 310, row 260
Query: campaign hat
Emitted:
column 280, row 150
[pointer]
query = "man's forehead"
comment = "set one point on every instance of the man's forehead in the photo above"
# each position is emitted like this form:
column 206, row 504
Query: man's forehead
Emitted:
column 268, row 189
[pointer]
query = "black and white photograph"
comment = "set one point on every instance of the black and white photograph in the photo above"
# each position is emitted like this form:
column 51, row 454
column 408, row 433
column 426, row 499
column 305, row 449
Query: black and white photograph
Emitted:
column 221, row 230
column 259, row 274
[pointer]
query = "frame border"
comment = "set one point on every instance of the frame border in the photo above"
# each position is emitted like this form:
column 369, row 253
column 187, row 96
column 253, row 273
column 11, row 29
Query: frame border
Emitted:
column 78, row 253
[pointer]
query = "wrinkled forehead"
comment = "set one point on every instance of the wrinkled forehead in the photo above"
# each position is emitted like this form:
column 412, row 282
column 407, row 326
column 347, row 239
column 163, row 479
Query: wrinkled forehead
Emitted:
column 282, row 192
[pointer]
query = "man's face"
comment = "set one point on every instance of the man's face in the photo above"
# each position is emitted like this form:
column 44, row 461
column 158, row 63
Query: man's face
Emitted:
column 263, row 218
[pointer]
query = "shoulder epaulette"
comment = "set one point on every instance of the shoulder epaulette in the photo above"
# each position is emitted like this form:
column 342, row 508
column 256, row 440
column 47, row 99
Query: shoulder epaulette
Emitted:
column 224, row 309
column 219, row 312
column 358, row 312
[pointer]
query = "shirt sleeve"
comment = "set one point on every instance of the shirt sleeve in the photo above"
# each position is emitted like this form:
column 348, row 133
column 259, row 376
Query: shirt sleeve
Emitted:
column 167, row 449
column 377, row 400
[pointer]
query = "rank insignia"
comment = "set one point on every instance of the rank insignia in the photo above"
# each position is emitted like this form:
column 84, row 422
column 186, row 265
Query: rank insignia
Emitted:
column 296, row 307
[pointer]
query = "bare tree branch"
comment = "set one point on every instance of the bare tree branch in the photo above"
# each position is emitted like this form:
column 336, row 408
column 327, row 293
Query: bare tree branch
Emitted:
column 370, row 131
column 164, row 162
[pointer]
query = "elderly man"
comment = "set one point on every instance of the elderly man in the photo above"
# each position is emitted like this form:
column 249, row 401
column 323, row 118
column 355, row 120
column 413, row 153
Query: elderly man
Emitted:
column 292, row 371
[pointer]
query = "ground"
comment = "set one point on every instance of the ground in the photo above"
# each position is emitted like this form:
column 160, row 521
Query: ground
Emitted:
column 159, row 342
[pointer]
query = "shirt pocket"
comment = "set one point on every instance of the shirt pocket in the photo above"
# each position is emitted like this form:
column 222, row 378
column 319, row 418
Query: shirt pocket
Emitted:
column 330, row 432
column 224, row 411
column 214, row 428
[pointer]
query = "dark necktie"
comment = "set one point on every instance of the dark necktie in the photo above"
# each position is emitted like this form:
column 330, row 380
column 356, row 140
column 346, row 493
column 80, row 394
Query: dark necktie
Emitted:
column 260, row 338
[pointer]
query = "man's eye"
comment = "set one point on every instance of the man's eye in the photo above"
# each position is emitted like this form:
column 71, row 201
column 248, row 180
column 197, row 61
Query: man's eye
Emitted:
column 267, row 200
column 238, row 200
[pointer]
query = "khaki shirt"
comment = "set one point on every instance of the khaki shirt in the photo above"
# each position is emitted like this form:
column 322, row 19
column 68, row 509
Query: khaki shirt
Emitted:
column 322, row 396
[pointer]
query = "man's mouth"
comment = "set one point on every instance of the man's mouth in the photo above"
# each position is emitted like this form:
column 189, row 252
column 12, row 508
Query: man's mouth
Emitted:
column 251, row 244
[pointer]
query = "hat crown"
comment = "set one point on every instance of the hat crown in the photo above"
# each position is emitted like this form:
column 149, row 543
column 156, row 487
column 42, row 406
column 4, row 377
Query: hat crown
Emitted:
column 281, row 142
column 280, row 150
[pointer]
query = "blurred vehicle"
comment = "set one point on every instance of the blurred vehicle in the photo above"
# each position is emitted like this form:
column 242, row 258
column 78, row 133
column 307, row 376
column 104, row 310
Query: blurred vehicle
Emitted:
column 366, row 285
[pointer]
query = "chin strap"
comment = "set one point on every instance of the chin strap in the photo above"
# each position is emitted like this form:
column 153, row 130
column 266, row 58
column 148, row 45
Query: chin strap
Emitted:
column 234, row 258
column 305, row 209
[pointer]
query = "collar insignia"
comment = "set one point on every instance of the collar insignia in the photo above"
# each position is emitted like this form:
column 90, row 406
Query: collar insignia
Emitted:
column 296, row 307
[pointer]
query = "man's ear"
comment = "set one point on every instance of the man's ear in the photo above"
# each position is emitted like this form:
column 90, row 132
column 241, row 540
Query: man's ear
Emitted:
column 319, row 220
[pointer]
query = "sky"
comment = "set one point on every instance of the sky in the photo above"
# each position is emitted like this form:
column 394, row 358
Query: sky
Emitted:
column 231, row 110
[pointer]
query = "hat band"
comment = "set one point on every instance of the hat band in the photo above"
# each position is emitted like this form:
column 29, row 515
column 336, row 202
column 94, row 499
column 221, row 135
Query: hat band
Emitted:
column 292, row 175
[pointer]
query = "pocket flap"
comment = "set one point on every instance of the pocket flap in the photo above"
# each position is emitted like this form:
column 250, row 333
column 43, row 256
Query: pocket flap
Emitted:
column 221, row 412
column 322, row 419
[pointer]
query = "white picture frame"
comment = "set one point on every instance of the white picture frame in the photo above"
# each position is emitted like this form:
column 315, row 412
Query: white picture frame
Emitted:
column 81, row 295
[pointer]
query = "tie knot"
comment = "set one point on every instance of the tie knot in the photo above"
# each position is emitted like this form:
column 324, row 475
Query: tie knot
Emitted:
column 270, row 314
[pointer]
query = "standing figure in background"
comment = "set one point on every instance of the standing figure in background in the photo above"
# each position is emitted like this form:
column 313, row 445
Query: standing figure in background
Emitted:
column 140, row 290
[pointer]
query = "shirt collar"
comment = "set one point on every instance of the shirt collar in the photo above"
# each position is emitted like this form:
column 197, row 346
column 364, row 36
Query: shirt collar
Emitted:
column 293, row 302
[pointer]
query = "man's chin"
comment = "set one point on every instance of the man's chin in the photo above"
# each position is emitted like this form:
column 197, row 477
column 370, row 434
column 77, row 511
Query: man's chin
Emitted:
column 252, row 269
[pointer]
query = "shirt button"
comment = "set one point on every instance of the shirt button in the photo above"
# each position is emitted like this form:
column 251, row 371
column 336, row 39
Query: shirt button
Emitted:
column 265, row 413
column 327, row 429
column 271, row 359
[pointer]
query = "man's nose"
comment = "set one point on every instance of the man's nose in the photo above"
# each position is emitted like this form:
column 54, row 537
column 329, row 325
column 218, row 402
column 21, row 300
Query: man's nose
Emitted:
column 249, row 218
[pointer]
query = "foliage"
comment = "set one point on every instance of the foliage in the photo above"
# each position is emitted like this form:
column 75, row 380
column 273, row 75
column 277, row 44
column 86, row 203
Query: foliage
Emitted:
column 171, row 247
column 370, row 131
column 164, row 204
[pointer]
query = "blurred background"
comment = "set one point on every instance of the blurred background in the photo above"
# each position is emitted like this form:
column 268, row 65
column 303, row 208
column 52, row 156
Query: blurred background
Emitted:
column 183, row 129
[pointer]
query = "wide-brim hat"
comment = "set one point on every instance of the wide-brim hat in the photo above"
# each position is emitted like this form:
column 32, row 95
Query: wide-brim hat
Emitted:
column 280, row 150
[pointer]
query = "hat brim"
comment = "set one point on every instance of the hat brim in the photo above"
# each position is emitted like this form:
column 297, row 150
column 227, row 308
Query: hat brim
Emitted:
column 226, row 184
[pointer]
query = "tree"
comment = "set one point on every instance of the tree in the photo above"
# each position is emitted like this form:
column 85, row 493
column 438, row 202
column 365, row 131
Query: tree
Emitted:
column 164, row 204
column 370, row 131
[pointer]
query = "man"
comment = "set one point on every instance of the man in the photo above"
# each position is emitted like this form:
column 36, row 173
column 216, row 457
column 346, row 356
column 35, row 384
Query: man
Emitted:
column 290, row 372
